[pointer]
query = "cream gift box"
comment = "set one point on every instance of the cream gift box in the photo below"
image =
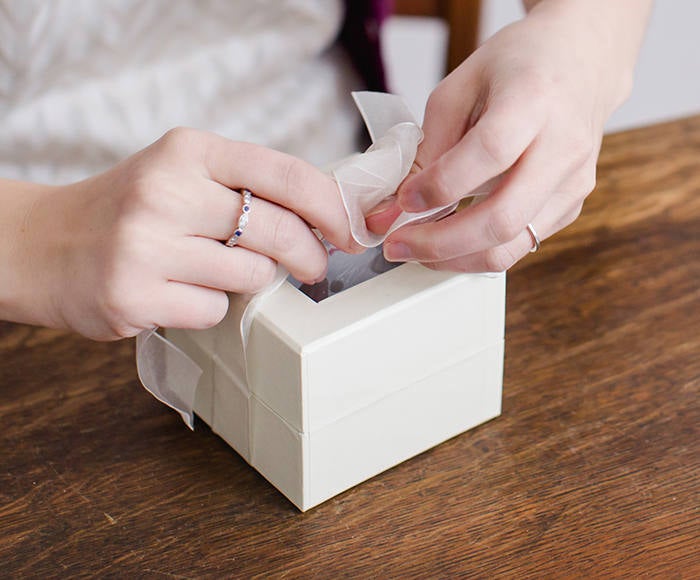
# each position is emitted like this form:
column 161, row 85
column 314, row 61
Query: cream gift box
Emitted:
column 337, row 391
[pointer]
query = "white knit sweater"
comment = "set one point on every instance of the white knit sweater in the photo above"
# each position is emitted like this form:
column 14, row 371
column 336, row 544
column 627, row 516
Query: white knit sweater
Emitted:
column 85, row 83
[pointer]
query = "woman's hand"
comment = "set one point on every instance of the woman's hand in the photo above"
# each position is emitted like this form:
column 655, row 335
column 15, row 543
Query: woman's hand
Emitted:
column 140, row 245
column 527, row 108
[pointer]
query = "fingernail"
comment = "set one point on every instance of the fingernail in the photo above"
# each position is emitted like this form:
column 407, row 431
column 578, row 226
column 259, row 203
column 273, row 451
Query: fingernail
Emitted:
column 382, row 206
column 397, row 252
column 413, row 201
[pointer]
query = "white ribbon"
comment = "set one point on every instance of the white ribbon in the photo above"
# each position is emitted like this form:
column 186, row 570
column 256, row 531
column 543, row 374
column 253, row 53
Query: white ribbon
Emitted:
column 167, row 373
column 368, row 178
column 364, row 180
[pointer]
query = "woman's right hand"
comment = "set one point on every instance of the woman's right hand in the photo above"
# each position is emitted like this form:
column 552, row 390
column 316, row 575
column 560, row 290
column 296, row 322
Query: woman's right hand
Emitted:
column 139, row 246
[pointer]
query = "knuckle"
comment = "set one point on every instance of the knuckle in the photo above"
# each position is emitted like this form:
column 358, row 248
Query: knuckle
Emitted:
column 351, row 246
column 440, row 191
column 589, row 182
column 545, row 93
column 260, row 274
column 213, row 312
column 301, row 186
column 505, row 224
column 571, row 217
column 626, row 84
column 140, row 187
column 283, row 234
column 179, row 138
column 499, row 259
column 145, row 194
column 495, row 146
column 128, row 251
column 116, row 308
column 538, row 86
column 581, row 186
column 295, row 177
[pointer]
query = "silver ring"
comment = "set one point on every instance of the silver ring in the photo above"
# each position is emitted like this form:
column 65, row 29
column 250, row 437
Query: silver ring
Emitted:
column 535, row 239
column 242, row 219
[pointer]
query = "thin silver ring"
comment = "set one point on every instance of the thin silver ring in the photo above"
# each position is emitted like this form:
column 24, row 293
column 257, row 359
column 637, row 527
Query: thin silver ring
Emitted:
column 242, row 219
column 535, row 239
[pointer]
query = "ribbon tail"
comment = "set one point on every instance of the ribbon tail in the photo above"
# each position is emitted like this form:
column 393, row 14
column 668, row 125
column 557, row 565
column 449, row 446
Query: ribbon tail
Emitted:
column 169, row 374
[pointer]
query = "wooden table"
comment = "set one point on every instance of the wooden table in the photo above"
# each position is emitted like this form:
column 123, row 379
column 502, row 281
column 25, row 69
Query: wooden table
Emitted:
column 592, row 470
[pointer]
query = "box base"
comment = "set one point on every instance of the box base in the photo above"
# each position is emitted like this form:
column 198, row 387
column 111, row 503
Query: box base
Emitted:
column 310, row 468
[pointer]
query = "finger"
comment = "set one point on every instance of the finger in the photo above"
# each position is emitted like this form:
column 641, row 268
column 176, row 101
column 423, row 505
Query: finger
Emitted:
column 501, row 258
column 272, row 230
column 455, row 103
column 488, row 149
column 380, row 218
column 241, row 269
column 496, row 259
column 501, row 217
column 209, row 263
column 187, row 306
column 277, row 177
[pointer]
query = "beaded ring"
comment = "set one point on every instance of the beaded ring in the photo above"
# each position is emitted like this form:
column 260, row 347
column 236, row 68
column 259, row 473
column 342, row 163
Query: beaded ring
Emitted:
column 242, row 220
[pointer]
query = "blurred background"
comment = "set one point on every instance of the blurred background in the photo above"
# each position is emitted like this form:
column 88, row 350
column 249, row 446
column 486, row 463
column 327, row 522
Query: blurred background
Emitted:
column 426, row 38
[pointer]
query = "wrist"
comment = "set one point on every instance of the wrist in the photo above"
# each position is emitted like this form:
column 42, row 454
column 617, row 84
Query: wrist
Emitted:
column 605, row 38
column 25, row 291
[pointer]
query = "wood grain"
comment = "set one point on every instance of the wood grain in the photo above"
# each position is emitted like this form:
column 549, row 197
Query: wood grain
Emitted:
column 593, row 470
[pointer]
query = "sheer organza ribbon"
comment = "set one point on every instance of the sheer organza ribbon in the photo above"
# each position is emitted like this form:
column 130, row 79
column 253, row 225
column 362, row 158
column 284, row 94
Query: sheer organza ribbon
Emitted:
column 364, row 180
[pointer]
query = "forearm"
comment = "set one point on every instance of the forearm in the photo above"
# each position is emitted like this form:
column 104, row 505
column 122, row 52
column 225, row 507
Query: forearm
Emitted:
column 22, row 287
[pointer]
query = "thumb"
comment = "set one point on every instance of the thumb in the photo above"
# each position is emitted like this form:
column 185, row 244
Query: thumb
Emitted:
column 452, row 107
column 381, row 216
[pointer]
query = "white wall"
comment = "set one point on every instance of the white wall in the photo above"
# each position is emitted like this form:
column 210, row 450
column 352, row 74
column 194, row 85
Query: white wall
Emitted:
column 667, row 80
column 415, row 53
